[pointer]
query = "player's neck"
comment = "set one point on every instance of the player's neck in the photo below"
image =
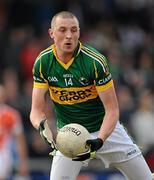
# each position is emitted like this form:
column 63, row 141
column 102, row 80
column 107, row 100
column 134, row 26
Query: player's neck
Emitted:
column 64, row 57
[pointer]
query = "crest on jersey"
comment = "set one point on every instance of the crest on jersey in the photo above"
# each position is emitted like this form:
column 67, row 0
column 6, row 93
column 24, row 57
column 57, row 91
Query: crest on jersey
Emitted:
column 84, row 81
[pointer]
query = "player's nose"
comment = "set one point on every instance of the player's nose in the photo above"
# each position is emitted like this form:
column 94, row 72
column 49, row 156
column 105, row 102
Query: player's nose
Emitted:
column 69, row 34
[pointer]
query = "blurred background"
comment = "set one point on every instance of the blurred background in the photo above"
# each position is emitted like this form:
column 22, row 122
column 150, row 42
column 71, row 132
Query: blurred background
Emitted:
column 122, row 30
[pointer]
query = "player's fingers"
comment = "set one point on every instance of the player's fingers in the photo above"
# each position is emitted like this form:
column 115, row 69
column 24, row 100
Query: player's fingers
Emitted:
column 81, row 157
column 53, row 153
column 89, row 142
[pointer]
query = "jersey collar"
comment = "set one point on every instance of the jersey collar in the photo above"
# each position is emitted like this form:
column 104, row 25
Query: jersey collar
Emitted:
column 77, row 50
column 75, row 54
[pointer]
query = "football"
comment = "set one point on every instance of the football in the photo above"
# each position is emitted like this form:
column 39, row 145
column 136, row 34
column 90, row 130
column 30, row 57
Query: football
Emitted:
column 71, row 140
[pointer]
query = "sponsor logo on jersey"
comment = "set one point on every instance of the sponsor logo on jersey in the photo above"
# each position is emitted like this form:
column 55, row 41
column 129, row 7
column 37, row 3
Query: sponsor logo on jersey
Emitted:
column 105, row 80
column 72, row 95
column 37, row 79
column 52, row 79
column 84, row 81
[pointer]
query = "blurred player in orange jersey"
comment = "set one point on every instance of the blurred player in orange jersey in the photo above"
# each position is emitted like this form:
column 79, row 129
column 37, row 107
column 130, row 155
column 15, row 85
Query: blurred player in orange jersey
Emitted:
column 11, row 130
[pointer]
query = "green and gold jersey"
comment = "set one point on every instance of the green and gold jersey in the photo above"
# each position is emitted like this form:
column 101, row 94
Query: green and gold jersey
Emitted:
column 74, row 86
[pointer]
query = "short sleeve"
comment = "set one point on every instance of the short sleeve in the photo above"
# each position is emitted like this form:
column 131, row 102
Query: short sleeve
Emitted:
column 38, row 78
column 103, row 76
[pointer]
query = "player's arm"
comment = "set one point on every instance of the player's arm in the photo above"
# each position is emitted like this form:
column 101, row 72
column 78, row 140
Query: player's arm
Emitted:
column 105, row 88
column 38, row 106
column 38, row 116
column 109, row 99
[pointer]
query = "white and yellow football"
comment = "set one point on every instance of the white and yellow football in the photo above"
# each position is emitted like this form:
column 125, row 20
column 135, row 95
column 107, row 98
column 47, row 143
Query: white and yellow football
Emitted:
column 71, row 140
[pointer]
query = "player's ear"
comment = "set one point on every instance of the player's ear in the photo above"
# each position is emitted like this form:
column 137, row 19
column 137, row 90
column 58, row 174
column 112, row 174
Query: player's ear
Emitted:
column 79, row 33
column 50, row 31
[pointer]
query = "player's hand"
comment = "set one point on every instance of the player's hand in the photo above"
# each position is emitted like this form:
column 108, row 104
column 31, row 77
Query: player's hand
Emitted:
column 47, row 136
column 94, row 145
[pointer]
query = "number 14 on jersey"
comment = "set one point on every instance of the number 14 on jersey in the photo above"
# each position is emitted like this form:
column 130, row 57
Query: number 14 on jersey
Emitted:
column 68, row 82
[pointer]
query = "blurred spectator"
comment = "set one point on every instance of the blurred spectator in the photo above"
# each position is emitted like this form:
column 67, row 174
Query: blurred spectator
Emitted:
column 145, row 69
column 16, row 39
column 114, row 56
column 12, row 84
column 142, row 121
column 132, row 37
column 3, row 30
column 12, row 140
column 28, row 54
column 18, row 94
column 142, row 124
column 26, row 90
column 130, row 76
column 126, row 106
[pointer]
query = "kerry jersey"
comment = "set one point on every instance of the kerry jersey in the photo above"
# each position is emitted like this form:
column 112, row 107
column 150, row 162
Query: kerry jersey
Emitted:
column 74, row 86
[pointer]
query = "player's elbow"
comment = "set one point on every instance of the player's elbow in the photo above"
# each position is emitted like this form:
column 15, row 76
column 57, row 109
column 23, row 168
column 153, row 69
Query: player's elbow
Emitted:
column 30, row 116
column 32, row 119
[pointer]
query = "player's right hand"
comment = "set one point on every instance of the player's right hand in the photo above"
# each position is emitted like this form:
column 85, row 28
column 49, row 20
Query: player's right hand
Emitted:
column 94, row 145
column 47, row 135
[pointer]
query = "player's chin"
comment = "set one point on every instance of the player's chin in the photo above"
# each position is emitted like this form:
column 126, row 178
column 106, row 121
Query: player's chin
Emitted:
column 69, row 50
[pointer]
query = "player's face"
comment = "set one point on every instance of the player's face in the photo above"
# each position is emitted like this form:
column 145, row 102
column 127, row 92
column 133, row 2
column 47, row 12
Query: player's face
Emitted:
column 65, row 34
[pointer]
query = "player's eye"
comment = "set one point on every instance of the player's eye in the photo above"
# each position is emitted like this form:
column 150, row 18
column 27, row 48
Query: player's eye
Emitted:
column 62, row 29
column 74, row 29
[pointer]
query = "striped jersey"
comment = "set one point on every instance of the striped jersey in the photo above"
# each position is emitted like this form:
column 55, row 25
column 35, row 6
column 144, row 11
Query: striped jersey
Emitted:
column 74, row 86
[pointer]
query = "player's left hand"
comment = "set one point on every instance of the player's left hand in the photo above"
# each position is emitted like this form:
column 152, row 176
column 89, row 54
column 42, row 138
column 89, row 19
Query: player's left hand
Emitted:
column 47, row 135
column 94, row 145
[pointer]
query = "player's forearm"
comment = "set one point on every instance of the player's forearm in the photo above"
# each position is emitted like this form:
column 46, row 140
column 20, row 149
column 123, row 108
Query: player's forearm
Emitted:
column 109, row 123
column 36, row 116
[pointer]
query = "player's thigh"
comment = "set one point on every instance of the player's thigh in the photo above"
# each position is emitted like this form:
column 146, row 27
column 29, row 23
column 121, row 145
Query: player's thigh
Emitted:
column 135, row 168
column 64, row 168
